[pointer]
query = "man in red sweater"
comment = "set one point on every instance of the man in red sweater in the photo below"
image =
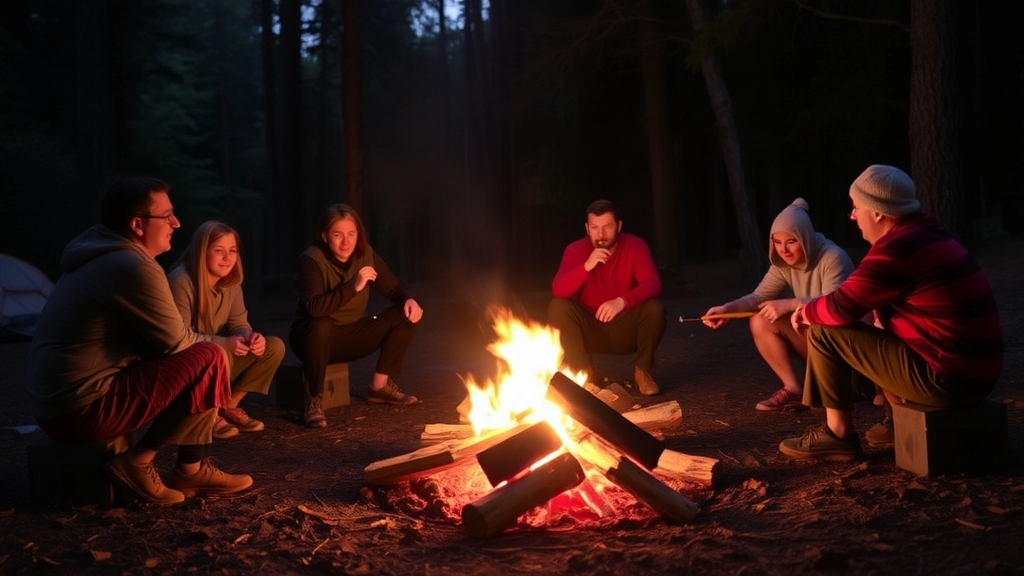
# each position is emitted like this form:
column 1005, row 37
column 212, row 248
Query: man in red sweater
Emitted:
column 606, row 298
column 937, row 338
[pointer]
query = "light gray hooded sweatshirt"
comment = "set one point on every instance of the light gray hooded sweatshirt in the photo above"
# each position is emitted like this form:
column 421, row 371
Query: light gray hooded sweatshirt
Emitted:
column 111, row 307
column 823, row 269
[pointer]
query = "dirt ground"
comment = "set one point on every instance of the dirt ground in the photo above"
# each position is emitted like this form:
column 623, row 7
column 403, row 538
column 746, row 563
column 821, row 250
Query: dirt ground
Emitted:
column 310, row 510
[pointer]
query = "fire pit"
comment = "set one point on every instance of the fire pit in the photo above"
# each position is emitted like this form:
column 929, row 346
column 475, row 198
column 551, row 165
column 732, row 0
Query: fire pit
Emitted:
column 540, row 445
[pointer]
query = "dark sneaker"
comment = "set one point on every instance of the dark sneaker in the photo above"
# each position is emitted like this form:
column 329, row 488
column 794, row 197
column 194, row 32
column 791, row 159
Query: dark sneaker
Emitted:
column 142, row 480
column 390, row 394
column 881, row 435
column 209, row 480
column 819, row 443
column 241, row 420
column 222, row 429
column 315, row 413
column 645, row 382
column 782, row 400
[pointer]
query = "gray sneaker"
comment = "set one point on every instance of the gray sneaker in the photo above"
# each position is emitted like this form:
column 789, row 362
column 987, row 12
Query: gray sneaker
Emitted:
column 142, row 480
column 390, row 394
column 315, row 413
column 819, row 443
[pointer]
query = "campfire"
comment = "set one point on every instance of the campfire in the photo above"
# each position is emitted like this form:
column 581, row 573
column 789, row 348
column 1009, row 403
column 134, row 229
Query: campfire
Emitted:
column 537, row 431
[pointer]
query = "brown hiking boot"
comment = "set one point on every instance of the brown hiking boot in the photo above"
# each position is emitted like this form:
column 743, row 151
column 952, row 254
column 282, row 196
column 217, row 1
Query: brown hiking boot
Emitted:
column 142, row 480
column 209, row 480
column 881, row 435
column 645, row 382
column 222, row 429
column 390, row 394
column 782, row 399
column 241, row 419
column 315, row 413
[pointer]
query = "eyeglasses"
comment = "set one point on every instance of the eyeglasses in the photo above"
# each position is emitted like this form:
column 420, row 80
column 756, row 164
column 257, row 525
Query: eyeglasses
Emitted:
column 169, row 217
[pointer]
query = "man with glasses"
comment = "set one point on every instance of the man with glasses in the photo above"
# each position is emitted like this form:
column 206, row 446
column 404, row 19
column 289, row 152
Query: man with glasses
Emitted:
column 112, row 353
column 937, row 338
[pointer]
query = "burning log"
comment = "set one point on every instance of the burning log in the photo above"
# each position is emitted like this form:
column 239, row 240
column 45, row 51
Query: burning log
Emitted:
column 686, row 467
column 653, row 418
column 430, row 459
column 601, row 419
column 633, row 479
column 492, row 514
column 511, row 456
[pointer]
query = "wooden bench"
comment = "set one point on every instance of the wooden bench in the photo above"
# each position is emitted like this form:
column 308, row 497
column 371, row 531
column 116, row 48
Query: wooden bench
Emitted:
column 291, row 387
column 72, row 474
column 931, row 441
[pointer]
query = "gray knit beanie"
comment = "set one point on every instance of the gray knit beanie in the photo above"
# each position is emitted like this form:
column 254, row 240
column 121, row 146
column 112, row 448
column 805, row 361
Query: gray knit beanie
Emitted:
column 886, row 189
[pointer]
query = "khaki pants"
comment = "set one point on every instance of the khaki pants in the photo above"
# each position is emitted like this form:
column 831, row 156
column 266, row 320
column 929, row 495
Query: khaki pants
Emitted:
column 837, row 354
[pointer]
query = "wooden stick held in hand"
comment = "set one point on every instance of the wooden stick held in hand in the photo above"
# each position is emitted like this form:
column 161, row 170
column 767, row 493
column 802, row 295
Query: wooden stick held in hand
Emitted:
column 722, row 316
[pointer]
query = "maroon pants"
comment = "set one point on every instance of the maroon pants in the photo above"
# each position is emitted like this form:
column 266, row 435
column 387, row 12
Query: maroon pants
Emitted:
column 175, row 392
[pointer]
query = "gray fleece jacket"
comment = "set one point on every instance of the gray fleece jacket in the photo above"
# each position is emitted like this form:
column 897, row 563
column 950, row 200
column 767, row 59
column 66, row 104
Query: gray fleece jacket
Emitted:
column 111, row 307
column 824, row 268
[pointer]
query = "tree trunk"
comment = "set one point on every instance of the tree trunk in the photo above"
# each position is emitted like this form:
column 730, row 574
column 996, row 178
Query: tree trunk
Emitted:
column 659, row 145
column 934, row 121
column 754, row 259
column 292, row 193
column 441, row 203
column 350, row 105
column 275, row 254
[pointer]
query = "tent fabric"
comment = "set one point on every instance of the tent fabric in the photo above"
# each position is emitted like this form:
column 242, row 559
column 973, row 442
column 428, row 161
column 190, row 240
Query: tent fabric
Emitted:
column 24, row 290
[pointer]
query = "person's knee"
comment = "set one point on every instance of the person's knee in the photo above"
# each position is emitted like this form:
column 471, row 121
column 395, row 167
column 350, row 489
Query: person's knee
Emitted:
column 560, row 311
column 275, row 348
column 210, row 354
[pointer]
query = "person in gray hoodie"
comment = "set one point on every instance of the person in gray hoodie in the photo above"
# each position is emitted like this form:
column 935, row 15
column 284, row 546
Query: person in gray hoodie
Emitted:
column 112, row 353
column 804, row 265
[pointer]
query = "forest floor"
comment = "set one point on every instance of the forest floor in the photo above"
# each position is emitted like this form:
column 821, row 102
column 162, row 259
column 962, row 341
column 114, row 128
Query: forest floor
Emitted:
column 310, row 510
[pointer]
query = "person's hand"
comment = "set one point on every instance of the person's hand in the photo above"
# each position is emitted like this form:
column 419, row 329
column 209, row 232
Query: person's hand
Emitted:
column 798, row 321
column 413, row 311
column 257, row 344
column 237, row 345
column 772, row 310
column 598, row 256
column 715, row 323
column 365, row 275
column 610, row 309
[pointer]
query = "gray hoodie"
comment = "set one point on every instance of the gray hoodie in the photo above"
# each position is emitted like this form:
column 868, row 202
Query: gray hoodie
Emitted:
column 111, row 307
column 824, row 267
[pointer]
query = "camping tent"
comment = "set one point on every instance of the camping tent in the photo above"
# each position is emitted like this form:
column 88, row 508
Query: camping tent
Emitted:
column 23, row 292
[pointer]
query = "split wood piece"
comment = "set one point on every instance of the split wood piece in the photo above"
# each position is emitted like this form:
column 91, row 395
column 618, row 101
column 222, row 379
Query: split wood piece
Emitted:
column 499, row 509
column 613, row 395
column 434, row 433
column 685, row 467
column 602, row 420
column 638, row 482
column 511, row 456
column 661, row 416
column 435, row 458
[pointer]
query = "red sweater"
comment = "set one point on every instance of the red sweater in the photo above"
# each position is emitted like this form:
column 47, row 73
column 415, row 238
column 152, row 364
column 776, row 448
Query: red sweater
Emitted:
column 930, row 292
column 629, row 273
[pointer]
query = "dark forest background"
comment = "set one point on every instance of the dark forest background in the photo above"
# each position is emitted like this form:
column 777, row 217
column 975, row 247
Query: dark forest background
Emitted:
column 471, row 144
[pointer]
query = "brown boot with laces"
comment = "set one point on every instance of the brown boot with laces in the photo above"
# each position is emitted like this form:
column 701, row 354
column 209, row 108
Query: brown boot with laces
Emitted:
column 209, row 480
column 142, row 480
column 645, row 382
